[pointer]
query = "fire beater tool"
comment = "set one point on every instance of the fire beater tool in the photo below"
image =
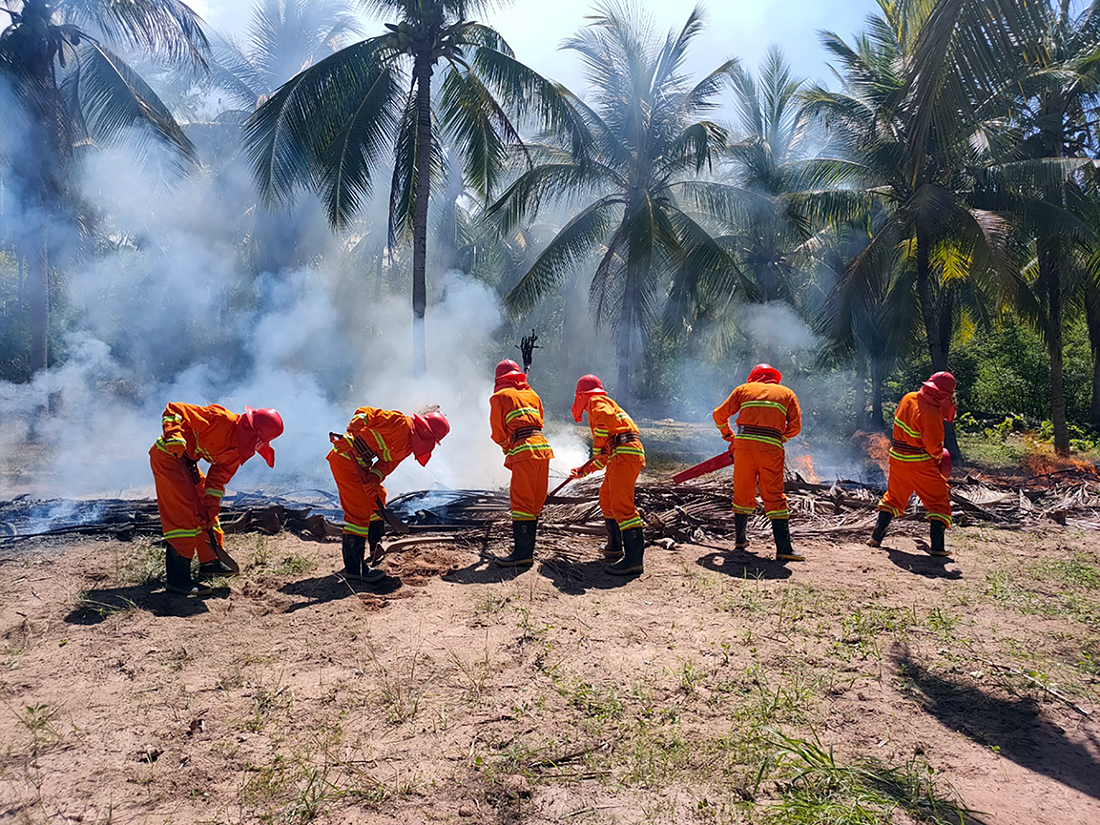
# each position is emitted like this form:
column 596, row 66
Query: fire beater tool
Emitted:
column 527, row 347
column 711, row 465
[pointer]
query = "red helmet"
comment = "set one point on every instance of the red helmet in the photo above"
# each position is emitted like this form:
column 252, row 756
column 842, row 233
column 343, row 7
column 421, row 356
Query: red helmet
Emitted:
column 260, row 428
column 587, row 386
column 508, row 374
column 939, row 385
column 427, row 431
column 765, row 374
column 506, row 367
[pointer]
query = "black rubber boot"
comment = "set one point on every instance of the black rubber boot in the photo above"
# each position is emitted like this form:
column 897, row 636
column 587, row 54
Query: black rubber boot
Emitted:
column 884, row 519
column 375, row 532
column 938, row 531
column 178, row 579
column 633, row 550
column 523, row 546
column 614, row 547
column 355, row 567
column 741, row 526
column 784, row 551
column 212, row 569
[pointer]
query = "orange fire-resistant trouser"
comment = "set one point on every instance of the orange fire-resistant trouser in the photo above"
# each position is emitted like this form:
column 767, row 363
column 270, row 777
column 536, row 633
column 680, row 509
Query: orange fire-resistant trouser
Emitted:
column 178, row 500
column 923, row 478
column 359, row 498
column 530, row 478
column 754, row 462
column 617, row 490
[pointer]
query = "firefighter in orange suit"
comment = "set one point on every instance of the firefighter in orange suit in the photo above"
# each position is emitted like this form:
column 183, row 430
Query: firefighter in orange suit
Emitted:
column 617, row 446
column 515, row 417
column 768, row 416
column 189, row 501
column 375, row 442
column 918, row 462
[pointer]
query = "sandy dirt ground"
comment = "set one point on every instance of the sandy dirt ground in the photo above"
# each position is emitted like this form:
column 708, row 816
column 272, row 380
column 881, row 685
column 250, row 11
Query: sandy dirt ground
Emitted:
column 458, row 692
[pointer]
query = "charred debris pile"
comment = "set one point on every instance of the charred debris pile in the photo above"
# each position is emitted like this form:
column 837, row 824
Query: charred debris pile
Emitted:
column 695, row 512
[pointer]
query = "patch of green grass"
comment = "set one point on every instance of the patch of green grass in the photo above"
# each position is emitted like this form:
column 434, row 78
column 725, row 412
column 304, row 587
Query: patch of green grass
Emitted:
column 139, row 563
column 293, row 564
column 1076, row 571
column 941, row 621
column 814, row 788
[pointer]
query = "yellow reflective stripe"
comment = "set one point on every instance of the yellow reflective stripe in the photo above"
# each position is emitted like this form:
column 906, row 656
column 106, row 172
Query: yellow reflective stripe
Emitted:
column 171, row 419
column 775, row 405
column 598, row 431
column 631, row 522
column 383, row 450
column 889, row 508
column 910, row 458
column 214, row 491
column 183, row 533
column 519, row 412
column 626, row 449
column 941, row 517
column 357, row 529
column 778, row 514
column 762, row 438
column 520, row 515
column 374, row 471
column 521, row 448
column 737, row 508
column 906, row 428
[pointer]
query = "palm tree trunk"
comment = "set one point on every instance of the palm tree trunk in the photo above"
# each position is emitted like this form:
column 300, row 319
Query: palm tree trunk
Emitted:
column 876, row 395
column 861, row 391
column 932, row 330
column 1049, row 271
column 1092, row 314
column 423, row 73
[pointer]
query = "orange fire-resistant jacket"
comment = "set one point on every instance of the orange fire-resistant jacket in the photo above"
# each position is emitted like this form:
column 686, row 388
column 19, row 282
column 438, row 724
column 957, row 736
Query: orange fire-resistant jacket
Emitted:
column 918, row 424
column 607, row 419
column 203, row 432
column 513, row 411
column 386, row 433
column 766, row 413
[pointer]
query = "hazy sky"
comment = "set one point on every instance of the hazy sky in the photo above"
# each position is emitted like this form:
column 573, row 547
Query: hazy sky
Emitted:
column 735, row 28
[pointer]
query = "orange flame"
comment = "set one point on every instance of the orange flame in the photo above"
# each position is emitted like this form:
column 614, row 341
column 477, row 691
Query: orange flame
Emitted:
column 804, row 466
column 877, row 447
column 1041, row 459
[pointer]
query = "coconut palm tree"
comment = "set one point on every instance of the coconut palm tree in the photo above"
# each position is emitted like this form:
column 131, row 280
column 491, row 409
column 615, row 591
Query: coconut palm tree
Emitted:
column 70, row 89
column 642, row 139
column 329, row 126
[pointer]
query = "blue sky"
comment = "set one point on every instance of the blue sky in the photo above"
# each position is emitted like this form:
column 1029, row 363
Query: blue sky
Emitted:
column 735, row 28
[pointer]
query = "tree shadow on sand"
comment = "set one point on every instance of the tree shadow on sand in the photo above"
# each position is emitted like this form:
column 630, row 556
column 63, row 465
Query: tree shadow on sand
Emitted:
column 742, row 565
column 95, row 606
column 1015, row 726
column 931, row 567
column 333, row 587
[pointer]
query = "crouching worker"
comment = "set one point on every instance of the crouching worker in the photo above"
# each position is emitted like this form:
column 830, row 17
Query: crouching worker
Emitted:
column 918, row 462
column 189, row 501
column 375, row 442
column 767, row 417
column 616, row 446
column 515, row 417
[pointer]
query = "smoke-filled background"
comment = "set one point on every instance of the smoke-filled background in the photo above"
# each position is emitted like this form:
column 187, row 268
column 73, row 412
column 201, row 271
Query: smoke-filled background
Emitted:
column 171, row 278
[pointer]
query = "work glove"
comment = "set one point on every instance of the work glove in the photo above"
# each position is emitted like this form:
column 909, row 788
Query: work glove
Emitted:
column 211, row 506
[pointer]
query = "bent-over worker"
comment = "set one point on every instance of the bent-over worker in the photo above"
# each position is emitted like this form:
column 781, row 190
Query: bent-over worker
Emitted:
column 375, row 442
column 188, row 500
column 617, row 446
column 515, row 417
column 918, row 462
column 768, row 416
